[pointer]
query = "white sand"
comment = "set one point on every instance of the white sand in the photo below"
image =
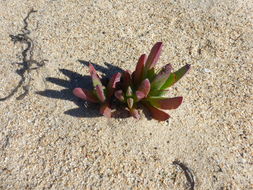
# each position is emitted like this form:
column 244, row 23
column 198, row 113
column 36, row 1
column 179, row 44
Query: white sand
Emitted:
column 211, row 133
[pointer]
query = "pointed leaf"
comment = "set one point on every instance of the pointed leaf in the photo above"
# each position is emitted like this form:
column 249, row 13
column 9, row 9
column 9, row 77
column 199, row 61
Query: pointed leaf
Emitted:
column 138, row 73
column 130, row 102
column 105, row 110
column 161, row 77
column 129, row 92
column 85, row 94
column 156, row 113
column 112, row 84
column 119, row 95
column 154, row 56
column 166, row 103
column 95, row 79
column 144, row 88
column 134, row 112
column 174, row 77
column 100, row 93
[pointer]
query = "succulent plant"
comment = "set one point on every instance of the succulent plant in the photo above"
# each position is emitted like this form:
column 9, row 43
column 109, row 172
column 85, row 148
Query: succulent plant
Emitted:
column 148, row 88
column 144, row 86
column 100, row 94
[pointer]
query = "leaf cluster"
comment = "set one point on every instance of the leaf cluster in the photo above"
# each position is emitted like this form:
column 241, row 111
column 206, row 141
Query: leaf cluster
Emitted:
column 144, row 86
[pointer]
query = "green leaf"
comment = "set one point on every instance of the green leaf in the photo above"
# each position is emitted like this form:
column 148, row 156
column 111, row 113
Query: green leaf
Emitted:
column 150, row 74
column 129, row 92
column 130, row 102
column 174, row 77
column 100, row 93
column 161, row 77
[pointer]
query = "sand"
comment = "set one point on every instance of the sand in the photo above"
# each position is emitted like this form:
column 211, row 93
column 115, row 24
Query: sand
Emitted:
column 51, row 140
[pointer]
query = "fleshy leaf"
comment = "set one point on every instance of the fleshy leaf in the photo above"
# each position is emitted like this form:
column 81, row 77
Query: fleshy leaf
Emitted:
column 138, row 73
column 126, row 79
column 85, row 94
column 139, row 95
column 119, row 95
column 156, row 113
column 174, row 77
column 112, row 84
column 134, row 112
column 144, row 88
column 130, row 102
column 100, row 93
column 105, row 110
column 161, row 77
column 166, row 103
column 153, row 56
column 150, row 74
column 129, row 92
column 95, row 79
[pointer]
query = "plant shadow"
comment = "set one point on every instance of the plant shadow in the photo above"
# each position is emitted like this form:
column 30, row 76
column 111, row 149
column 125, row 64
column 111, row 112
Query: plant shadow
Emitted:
column 84, row 109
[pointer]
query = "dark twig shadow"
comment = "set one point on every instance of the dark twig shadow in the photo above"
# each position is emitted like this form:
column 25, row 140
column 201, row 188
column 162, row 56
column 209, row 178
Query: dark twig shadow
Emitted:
column 28, row 62
column 84, row 109
column 188, row 174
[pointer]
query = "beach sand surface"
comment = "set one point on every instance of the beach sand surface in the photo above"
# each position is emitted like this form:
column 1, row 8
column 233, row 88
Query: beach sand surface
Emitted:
column 49, row 139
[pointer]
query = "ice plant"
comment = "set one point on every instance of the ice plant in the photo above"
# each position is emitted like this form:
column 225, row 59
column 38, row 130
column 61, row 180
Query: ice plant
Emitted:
column 144, row 86
column 100, row 94
column 147, row 87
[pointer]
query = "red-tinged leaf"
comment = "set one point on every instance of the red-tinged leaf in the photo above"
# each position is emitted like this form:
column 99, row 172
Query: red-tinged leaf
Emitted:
column 100, row 93
column 154, row 55
column 85, row 94
column 119, row 95
column 161, row 77
column 114, row 80
column 92, row 69
column 166, row 103
column 138, row 73
column 139, row 95
column 174, row 77
column 95, row 79
column 126, row 79
column 112, row 84
column 134, row 112
column 130, row 102
column 144, row 88
column 156, row 113
column 106, row 110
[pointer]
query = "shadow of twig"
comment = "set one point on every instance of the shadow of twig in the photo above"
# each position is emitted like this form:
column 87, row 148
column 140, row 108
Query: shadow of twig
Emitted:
column 188, row 174
column 27, row 59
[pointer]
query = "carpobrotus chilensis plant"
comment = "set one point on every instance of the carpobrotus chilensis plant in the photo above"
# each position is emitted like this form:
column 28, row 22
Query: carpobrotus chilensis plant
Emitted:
column 145, row 86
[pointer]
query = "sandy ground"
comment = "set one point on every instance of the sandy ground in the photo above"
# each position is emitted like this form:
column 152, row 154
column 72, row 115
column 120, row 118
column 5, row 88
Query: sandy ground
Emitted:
column 51, row 140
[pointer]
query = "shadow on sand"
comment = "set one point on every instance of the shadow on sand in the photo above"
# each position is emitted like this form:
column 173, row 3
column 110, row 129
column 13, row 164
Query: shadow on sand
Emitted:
column 84, row 109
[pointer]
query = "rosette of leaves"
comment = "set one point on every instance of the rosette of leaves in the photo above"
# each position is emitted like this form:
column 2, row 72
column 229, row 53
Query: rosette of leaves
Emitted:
column 147, row 87
column 100, row 94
